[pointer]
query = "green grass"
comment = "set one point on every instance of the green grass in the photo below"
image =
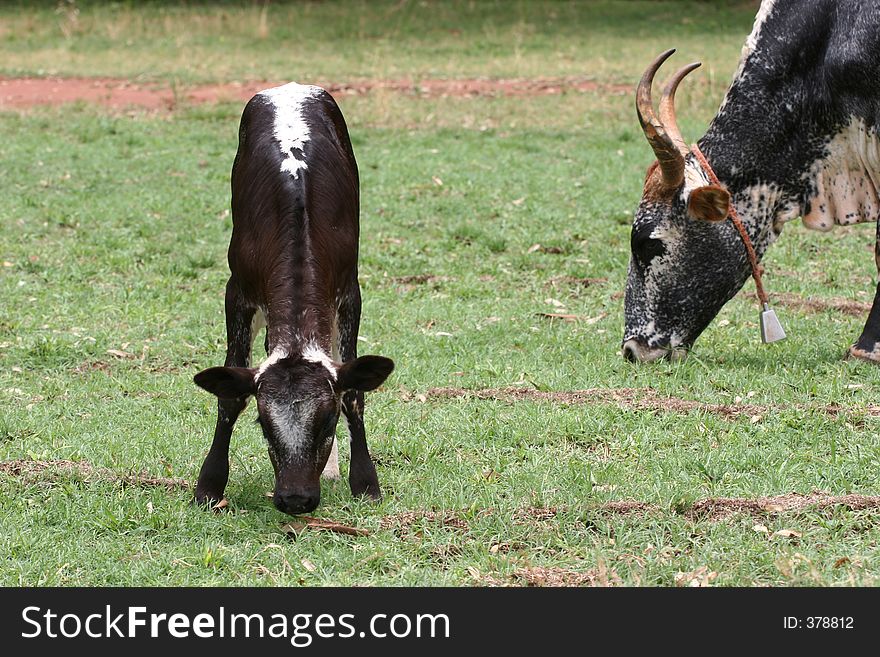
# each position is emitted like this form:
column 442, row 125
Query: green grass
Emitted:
column 223, row 41
column 114, row 230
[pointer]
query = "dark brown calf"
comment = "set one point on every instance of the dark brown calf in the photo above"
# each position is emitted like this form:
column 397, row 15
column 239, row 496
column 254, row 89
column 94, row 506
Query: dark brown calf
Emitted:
column 293, row 259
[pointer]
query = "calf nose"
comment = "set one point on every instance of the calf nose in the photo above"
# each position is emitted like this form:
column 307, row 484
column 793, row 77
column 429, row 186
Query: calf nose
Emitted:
column 293, row 503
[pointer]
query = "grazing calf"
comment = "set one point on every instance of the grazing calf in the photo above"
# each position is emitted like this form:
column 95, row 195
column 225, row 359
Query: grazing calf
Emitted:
column 293, row 259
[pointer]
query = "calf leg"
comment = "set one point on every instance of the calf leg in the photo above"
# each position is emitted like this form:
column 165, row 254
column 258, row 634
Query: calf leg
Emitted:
column 215, row 470
column 362, row 477
column 331, row 469
column 867, row 347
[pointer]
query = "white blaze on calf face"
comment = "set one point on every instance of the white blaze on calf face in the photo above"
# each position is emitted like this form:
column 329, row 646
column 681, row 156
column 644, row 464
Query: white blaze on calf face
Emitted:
column 287, row 416
column 291, row 129
column 292, row 414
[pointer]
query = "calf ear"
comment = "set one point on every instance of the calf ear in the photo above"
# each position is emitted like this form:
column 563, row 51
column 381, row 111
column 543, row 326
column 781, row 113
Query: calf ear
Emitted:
column 364, row 373
column 709, row 203
column 227, row 382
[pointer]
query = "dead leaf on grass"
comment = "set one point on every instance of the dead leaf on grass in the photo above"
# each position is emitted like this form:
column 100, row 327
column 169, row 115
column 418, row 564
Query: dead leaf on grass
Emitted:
column 563, row 316
column 538, row 248
column 567, row 317
column 787, row 533
column 120, row 354
column 320, row 524
column 702, row 576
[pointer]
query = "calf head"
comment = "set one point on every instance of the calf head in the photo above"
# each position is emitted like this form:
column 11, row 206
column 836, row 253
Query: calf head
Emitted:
column 686, row 262
column 299, row 398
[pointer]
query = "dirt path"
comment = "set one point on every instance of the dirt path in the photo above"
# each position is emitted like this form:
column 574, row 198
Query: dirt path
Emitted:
column 23, row 93
column 640, row 399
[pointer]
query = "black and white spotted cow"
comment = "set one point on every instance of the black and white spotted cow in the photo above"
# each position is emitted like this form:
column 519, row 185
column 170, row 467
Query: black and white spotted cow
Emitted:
column 293, row 261
column 796, row 136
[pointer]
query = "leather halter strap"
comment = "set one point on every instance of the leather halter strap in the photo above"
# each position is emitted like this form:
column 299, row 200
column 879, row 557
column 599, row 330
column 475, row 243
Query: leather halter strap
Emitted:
column 757, row 269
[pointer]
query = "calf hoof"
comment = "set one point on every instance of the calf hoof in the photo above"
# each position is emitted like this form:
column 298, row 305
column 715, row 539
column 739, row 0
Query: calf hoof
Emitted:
column 368, row 489
column 210, row 500
column 861, row 354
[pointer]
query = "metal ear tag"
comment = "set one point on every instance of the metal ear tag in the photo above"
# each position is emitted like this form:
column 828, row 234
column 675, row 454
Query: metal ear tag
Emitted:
column 771, row 329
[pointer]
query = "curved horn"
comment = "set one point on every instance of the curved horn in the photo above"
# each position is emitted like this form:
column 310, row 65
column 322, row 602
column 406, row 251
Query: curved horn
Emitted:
column 670, row 158
column 667, row 107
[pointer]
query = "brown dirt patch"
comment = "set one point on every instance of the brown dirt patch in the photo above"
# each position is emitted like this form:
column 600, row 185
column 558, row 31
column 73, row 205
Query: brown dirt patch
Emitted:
column 24, row 93
column 556, row 576
column 641, row 399
column 535, row 514
column 577, row 282
column 92, row 366
column 419, row 279
column 625, row 507
column 818, row 305
column 718, row 508
column 405, row 520
column 30, row 469
column 711, row 509
column 409, row 283
column 636, row 398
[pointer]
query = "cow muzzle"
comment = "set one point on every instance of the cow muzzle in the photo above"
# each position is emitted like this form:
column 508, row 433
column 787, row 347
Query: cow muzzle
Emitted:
column 293, row 502
column 636, row 351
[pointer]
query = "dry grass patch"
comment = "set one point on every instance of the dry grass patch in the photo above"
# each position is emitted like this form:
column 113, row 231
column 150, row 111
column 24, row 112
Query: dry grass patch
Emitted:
column 32, row 469
column 640, row 399
column 818, row 305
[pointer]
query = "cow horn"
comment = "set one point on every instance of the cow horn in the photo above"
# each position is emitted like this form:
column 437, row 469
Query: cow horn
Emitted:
column 668, row 155
column 667, row 107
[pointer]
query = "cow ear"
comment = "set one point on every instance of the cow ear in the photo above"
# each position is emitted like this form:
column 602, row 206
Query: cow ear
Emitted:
column 364, row 373
column 709, row 203
column 227, row 382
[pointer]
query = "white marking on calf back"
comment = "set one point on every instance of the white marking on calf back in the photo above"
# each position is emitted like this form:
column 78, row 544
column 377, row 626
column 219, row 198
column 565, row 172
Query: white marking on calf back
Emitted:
column 273, row 358
column 314, row 354
column 291, row 129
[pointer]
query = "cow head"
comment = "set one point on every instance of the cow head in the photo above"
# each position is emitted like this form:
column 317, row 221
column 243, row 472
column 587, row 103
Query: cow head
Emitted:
column 299, row 398
column 686, row 262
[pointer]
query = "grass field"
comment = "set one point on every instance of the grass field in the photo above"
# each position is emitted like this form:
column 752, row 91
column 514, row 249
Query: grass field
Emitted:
column 112, row 267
